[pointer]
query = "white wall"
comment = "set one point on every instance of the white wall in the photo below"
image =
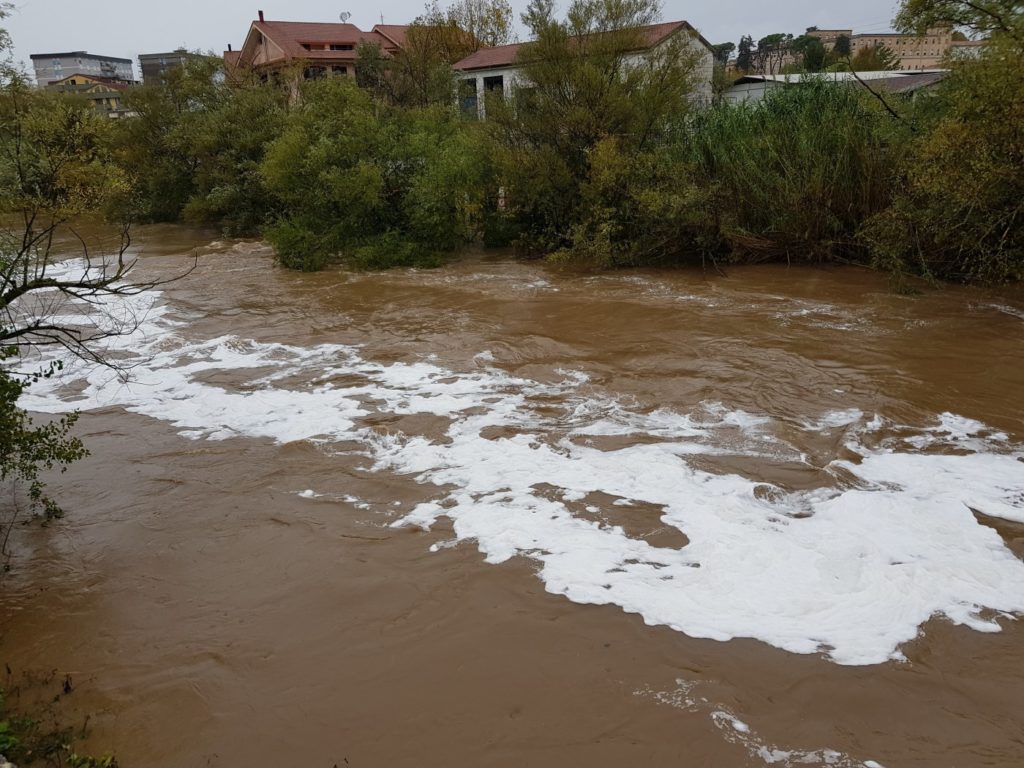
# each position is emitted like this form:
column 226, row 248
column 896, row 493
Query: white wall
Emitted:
column 513, row 76
column 752, row 92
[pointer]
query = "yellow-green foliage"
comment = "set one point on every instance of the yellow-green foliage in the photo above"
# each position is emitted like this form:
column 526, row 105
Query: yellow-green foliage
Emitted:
column 586, row 88
column 959, row 209
column 55, row 157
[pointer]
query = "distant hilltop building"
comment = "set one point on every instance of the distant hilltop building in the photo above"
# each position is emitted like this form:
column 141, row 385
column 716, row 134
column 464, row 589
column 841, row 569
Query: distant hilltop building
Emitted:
column 155, row 65
column 323, row 49
column 919, row 52
column 51, row 67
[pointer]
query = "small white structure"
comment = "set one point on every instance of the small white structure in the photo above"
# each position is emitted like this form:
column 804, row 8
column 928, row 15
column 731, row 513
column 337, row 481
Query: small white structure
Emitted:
column 498, row 68
column 753, row 88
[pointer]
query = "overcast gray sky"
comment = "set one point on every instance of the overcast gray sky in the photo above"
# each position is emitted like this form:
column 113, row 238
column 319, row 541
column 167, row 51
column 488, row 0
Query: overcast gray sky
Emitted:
column 127, row 28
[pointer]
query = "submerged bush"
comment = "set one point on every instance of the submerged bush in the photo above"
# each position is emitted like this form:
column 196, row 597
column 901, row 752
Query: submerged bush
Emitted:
column 638, row 208
column 355, row 178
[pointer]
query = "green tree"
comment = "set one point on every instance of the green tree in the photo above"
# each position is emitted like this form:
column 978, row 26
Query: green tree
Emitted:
column 586, row 87
column 722, row 52
column 772, row 52
column 488, row 22
column 811, row 53
column 745, row 54
column 195, row 147
column 985, row 17
column 876, row 58
column 420, row 74
column 367, row 184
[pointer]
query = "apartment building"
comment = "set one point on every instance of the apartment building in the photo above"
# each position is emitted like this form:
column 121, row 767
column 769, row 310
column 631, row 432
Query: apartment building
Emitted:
column 50, row 67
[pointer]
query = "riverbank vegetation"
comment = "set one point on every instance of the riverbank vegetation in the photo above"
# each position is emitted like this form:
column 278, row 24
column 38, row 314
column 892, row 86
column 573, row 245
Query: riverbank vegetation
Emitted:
column 597, row 163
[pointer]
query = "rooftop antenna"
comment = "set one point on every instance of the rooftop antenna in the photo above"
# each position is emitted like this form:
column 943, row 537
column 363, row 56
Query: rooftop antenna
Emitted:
column 344, row 16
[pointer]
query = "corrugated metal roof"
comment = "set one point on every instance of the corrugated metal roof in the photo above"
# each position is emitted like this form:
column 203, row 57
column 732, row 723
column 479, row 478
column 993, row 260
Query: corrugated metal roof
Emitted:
column 838, row 76
column 909, row 83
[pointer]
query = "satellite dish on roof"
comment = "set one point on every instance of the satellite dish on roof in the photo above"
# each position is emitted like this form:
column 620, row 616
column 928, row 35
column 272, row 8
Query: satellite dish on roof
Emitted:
column 344, row 16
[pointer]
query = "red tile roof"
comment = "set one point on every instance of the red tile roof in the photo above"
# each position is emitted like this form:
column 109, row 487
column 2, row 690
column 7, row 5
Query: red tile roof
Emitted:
column 507, row 55
column 291, row 35
column 487, row 58
column 393, row 32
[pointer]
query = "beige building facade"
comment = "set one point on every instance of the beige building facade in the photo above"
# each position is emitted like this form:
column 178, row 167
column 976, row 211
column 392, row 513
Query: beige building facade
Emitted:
column 928, row 51
column 925, row 52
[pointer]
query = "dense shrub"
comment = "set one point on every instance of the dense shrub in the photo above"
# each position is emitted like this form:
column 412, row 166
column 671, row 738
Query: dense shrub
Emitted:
column 591, row 105
column 638, row 208
column 797, row 175
column 959, row 210
column 195, row 147
column 358, row 180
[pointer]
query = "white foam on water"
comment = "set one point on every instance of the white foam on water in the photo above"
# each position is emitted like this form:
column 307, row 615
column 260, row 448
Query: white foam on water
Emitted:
column 852, row 570
column 1007, row 309
column 735, row 722
column 735, row 731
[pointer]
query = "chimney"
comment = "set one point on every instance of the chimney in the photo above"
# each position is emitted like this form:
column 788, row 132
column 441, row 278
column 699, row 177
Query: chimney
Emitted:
column 229, row 47
column 261, row 15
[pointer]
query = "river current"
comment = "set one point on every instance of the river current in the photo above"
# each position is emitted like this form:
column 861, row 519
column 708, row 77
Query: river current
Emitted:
column 496, row 514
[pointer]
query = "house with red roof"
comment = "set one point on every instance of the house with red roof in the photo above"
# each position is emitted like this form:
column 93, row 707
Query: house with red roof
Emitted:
column 321, row 49
column 500, row 69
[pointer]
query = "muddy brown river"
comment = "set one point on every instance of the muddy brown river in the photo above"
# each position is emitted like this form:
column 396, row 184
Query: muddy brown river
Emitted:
column 499, row 515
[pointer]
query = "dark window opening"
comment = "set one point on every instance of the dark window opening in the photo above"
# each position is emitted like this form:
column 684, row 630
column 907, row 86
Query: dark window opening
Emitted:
column 339, row 47
column 339, row 70
column 496, row 83
column 467, row 97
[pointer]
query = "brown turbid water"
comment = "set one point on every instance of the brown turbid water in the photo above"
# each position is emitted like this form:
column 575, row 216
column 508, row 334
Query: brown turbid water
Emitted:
column 497, row 515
